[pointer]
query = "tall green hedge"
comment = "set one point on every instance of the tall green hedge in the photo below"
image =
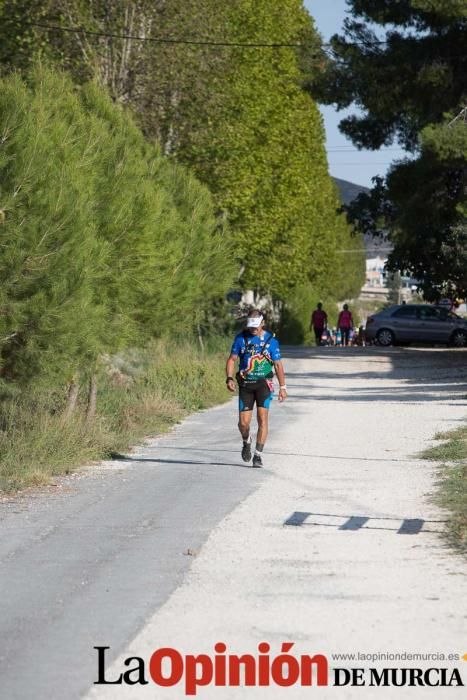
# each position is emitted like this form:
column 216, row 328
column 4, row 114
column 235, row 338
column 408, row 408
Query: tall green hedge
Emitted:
column 104, row 243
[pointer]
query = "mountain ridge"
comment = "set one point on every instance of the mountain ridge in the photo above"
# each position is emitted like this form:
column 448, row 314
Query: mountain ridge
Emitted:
column 375, row 247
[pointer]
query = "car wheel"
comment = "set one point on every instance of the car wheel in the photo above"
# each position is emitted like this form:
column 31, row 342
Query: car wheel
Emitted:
column 385, row 337
column 458, row 339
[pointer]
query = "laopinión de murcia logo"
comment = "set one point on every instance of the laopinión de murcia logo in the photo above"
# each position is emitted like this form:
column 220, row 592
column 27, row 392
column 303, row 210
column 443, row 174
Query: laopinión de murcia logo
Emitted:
column 167, row 667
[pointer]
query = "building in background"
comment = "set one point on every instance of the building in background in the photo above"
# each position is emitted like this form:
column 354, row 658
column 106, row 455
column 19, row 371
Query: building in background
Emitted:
column 375, row 272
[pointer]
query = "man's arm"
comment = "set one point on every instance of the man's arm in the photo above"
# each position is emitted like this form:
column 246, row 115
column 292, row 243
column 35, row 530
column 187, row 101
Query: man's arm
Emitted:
column 278, row 366
column 229, row 372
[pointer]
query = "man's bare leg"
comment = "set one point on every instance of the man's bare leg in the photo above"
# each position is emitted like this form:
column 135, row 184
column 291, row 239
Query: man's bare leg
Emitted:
column 263, row 426
column 244, row 423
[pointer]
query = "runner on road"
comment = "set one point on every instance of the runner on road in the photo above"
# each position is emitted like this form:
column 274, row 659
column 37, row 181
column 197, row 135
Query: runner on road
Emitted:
column 259, row 355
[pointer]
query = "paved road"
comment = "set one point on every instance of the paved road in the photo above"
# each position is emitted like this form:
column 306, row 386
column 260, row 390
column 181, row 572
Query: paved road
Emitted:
column 334, row 545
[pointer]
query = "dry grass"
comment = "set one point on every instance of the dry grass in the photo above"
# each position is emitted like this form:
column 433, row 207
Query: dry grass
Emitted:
column 452, row 485
column 141, row 394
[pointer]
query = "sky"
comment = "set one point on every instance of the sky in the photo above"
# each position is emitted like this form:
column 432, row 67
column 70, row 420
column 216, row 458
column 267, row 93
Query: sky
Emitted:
column 345, row 161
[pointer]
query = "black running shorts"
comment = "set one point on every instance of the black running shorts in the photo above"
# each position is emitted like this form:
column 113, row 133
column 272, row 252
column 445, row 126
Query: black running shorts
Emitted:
column 249, row 393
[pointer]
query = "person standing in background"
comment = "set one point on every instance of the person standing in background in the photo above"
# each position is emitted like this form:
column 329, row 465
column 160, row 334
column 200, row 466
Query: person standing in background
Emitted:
column 345, row 324
column 319, row 321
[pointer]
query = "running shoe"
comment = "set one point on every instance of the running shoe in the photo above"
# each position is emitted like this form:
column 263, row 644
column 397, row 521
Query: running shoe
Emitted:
column 246, row 451
column 257, row 461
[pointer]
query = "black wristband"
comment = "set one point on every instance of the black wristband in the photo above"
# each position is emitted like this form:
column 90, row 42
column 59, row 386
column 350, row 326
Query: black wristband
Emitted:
column 229, row 379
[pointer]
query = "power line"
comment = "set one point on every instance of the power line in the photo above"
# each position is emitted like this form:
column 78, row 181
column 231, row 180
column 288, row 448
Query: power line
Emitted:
column 319, row 51
column 189, row 42
column 358, row 163
column 163, row 40
column 227, row 44
column 390, row 147
column 365, row 250
column 360, row 150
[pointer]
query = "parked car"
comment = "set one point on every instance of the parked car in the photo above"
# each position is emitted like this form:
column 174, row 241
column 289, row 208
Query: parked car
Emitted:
column 416, row 323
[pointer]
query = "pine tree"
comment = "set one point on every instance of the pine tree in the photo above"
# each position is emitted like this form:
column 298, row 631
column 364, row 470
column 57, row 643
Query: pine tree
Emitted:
column 422, row 65
column 105, row 243
column 168, row 260
column 50, row 258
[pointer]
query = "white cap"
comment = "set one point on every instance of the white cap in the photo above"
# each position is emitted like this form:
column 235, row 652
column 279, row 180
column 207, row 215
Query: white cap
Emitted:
column 254, row 321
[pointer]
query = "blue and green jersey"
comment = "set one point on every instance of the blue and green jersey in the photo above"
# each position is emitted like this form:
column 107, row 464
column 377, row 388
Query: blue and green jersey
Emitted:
column 257, row 354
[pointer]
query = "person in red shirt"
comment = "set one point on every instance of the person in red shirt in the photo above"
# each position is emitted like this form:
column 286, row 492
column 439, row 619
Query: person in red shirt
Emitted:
column 345, row 323
column 319, row 321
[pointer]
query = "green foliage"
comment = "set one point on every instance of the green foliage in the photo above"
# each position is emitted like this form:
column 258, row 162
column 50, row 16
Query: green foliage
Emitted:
column 452, row 486
column 347, row 276
column 341, row 277
column 20, row 41
column 267, row 164
column 453, row 496
column 422, row 202
column 237, row 116
column 421, row 66
column 50, row 258
column 104, row 242
column 167, row 252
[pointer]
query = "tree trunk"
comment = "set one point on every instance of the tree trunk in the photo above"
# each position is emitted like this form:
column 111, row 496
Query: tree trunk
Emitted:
column 92, row 397
column 73, row 391
column 200, row 338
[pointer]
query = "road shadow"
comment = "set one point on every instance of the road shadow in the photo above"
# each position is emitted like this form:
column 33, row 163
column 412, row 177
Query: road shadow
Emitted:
column 356, row 523
column 178, row 462
column 423, row 375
